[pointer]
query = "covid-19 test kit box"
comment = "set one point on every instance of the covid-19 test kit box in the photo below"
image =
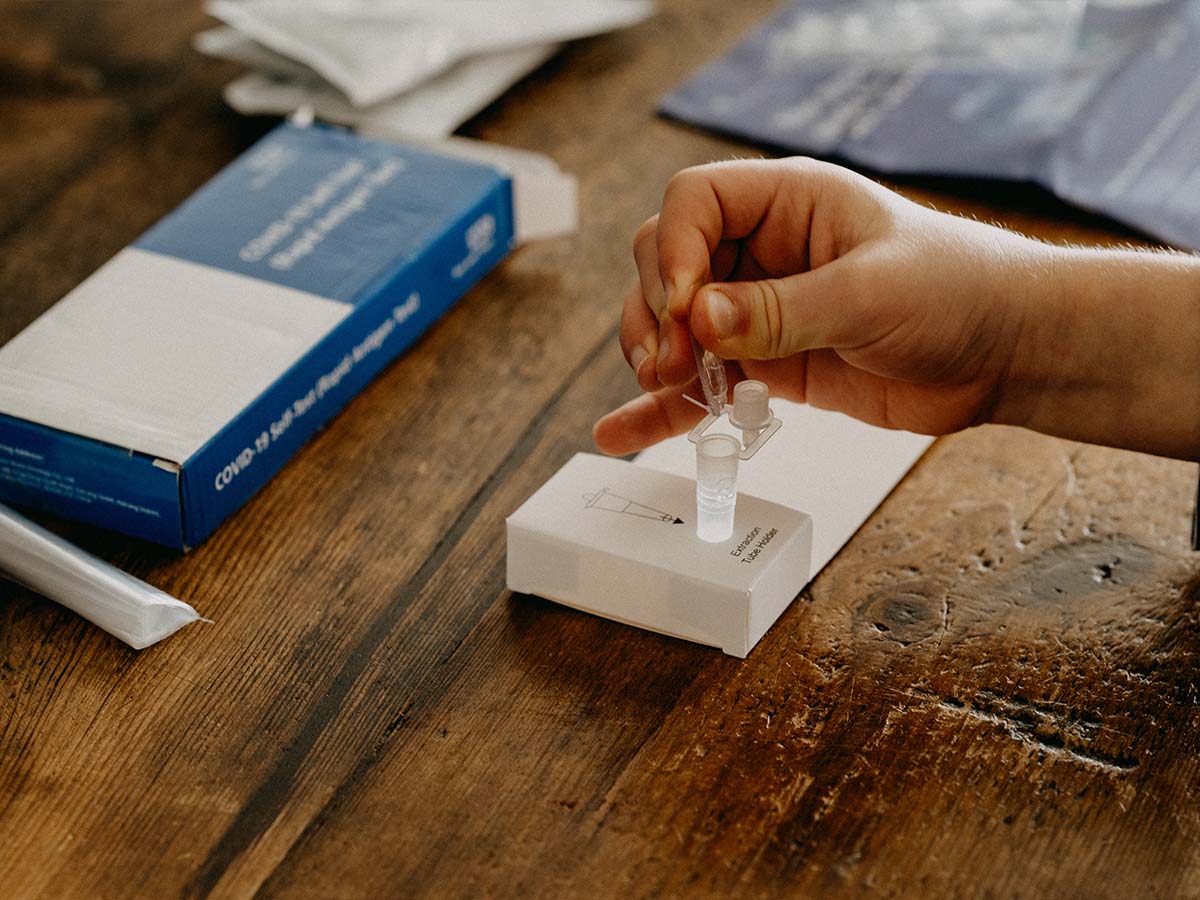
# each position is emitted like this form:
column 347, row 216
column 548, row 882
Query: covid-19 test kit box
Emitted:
column 170, row 385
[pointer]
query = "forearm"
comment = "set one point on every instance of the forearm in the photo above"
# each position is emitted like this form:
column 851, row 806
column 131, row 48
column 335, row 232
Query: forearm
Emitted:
column 1109, row 351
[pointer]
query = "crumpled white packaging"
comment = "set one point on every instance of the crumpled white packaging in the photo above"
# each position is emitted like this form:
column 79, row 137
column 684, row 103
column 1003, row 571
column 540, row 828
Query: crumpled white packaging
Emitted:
column 228, row 43
column 432, row 110
column 124, row 606
column 375, row 49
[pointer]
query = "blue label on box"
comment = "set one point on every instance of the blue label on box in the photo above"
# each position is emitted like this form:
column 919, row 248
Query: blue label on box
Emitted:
column 90, row 481
column 321, row 210
column 242, row 458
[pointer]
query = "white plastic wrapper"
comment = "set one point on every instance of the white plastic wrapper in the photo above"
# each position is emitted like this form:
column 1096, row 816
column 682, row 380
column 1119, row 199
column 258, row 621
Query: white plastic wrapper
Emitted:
column 372, row 50
column 124, row 606
column 432, row 110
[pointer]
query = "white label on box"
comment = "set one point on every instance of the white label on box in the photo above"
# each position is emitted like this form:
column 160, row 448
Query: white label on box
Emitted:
column 158, row 354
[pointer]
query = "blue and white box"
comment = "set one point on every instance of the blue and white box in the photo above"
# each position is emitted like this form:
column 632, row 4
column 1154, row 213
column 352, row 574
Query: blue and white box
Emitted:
column 173, row 383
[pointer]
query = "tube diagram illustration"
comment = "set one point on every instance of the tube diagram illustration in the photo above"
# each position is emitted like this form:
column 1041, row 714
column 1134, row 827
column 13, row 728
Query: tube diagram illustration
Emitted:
column 606, row 499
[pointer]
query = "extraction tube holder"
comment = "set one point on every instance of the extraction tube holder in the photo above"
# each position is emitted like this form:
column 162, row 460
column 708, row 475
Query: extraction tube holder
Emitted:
column 749, row 413
column 717, row 457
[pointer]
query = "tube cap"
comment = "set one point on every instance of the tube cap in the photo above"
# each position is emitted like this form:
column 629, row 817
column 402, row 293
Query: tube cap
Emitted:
column 750, row 411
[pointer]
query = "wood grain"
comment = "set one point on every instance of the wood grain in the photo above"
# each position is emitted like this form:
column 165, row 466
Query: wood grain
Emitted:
column 989, row 693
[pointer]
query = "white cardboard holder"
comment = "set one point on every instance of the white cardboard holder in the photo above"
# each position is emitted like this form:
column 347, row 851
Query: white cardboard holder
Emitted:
column 616, row 539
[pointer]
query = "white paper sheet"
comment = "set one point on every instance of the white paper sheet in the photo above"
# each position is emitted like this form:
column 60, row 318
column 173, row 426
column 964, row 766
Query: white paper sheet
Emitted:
column 836, row 469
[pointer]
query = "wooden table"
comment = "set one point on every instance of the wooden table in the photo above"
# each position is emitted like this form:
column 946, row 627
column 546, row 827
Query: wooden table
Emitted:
column 991, row 692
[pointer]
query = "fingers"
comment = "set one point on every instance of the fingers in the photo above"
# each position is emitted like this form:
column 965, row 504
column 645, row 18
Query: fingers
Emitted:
column 639, row 339
column 660, row 354
column 741, row 222
column 645, row 420
column 645, row 254
column 676, row 358
column 774, row 318
column 706, row 205
column 671, row 347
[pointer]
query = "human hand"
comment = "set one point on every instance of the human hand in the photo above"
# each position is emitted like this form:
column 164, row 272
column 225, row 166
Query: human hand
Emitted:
column 842, row 294
column 828, row 287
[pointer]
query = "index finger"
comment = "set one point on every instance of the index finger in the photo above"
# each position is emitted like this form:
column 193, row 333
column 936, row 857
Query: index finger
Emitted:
column 646, row 420
column 701, row 207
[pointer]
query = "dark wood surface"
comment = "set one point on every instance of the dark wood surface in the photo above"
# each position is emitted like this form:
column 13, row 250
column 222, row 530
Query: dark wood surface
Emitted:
column 991, row 692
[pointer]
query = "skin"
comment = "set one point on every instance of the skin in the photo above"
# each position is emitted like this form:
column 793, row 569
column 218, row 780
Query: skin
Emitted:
column 842, row 294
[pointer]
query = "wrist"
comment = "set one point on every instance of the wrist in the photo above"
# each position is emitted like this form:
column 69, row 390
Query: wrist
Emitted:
column 1108, row 350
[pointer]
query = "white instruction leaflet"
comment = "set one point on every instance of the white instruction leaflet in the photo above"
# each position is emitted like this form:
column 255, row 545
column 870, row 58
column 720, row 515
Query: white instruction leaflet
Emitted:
column 833, row 467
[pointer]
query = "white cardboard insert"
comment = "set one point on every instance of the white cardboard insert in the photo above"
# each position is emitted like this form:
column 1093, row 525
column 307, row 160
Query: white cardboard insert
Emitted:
column 619, row 540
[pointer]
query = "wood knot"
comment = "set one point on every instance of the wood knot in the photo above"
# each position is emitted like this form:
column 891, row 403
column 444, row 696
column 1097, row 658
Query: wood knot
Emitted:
column 1086, row 568
column 905, row 613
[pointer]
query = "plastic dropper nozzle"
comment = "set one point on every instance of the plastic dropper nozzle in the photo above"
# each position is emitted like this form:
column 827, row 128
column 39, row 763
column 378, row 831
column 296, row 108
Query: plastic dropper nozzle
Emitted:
column 712, row 378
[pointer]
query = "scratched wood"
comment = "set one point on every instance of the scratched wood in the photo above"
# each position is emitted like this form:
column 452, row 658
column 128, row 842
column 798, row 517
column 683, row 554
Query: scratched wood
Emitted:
column 990, row 692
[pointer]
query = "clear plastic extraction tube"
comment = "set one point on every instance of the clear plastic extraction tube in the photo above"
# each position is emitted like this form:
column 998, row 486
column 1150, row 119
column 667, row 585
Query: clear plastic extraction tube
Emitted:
column 716, row 486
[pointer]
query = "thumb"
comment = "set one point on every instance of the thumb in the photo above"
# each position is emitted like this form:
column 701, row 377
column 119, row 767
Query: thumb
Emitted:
column 778, row 317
